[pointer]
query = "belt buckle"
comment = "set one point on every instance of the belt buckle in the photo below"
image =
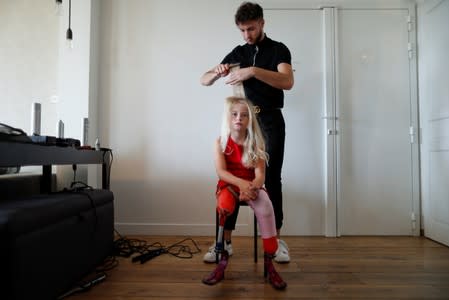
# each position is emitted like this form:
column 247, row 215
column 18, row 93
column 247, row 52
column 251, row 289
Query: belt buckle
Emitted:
column 256, row 109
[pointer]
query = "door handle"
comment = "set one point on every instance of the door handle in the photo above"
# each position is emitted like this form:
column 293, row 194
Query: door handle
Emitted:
column 332, row 132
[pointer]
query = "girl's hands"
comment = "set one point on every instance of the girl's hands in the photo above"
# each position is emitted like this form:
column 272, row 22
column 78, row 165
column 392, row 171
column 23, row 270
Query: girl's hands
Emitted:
column 248, row 191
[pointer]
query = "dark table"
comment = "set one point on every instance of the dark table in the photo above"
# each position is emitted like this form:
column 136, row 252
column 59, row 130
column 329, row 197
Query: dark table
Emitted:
column 14, row 154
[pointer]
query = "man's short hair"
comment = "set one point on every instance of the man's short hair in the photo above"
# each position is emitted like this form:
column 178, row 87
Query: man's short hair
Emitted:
column 248, row 11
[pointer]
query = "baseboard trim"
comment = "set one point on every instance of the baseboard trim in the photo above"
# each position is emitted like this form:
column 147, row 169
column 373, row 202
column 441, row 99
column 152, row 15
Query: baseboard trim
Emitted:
column 177, row 229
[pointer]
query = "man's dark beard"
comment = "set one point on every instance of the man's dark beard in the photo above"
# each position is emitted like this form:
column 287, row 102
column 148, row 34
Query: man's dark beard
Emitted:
column 260, row 37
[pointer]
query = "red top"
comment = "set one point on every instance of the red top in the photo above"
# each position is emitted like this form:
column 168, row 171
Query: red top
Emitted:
column 233, row 158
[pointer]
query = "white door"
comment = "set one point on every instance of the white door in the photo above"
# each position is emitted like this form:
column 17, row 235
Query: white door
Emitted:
column 434, row 95
column 303, row 170
column 374, row 109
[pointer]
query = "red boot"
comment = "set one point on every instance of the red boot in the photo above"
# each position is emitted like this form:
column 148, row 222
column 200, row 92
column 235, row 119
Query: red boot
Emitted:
column 273, row 277
column 218, row 274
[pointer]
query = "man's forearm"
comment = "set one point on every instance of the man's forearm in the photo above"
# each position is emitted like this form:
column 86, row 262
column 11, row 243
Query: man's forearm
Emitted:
column 277, row 80
column 209, row 78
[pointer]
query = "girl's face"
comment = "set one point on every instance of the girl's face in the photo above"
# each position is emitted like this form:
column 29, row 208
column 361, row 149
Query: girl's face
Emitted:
column 239, row 117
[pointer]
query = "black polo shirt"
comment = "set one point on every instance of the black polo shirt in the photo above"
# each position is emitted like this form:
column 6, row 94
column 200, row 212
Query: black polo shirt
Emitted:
column 267, row 54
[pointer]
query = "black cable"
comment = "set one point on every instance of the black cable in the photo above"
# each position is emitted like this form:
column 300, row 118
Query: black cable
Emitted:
column 108, row 175
column 74, row 167
column 13, row 130
column 80, row 188
column 85, row 284
column 108, row 264
column 183, row 251
column 94, row 208
column 127, row 247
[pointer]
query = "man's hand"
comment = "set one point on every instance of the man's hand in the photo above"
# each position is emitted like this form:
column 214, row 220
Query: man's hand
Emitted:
column 222, row 70
column 237, row 76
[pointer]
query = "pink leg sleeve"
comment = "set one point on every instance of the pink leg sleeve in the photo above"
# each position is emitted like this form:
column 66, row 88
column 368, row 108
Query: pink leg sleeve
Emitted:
column 265, row 215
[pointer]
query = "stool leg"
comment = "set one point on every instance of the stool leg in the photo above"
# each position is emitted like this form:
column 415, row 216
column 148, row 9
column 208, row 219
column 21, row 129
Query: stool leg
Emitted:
column 216, row 235
column 255, row 238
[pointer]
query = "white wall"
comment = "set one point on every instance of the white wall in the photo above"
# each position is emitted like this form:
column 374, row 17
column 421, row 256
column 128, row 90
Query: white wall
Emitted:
column 74, row 67
column 141, row 60
column 38, row 66
column 155, row 115
column 77, row 96
column 28, row 62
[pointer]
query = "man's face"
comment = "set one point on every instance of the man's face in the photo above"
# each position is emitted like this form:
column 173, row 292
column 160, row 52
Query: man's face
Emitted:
column 252, row 31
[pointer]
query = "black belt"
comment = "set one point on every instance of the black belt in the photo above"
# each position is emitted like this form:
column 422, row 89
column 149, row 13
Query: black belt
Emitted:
column 258, row 110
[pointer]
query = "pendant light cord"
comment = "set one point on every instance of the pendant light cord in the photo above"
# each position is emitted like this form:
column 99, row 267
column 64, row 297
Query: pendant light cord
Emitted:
column 70, row 12
column 69, row 33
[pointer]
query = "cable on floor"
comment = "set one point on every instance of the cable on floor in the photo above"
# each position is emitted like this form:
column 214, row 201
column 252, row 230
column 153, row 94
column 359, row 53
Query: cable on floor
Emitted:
column 126, row 247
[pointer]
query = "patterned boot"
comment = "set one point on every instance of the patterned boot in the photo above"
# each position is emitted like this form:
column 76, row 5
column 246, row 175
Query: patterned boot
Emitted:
column 218, row 274
column 273, row 277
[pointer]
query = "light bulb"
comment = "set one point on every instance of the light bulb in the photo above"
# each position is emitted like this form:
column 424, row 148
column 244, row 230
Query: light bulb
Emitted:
column 69, row 38
column 69, row 44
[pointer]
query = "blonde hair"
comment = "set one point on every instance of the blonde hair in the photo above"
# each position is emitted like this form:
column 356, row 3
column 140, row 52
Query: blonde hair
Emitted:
column 254, row 144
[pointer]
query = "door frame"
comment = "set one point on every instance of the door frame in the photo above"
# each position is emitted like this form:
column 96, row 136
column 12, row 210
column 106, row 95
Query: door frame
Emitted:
column 333, row 193
column 434, row 141
column 330, row 118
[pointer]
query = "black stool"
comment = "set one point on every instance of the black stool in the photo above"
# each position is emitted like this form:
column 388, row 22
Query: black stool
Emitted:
column 241, row 203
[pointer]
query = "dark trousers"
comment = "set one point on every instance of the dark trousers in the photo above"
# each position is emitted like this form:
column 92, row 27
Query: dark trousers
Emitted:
column 273, row 127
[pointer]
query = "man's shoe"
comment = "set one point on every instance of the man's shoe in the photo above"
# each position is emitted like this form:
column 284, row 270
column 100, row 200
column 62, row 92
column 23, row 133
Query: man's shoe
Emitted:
column 210, row 255
column 282, row 256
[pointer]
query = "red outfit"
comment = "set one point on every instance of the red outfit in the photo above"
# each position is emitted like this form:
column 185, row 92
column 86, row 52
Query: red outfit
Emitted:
column 261, row 205
column 233, row 157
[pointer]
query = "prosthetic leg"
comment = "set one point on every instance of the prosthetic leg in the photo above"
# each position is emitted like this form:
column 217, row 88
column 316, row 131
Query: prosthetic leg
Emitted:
column 270, row 273
column 218, row 273
column 219, row 243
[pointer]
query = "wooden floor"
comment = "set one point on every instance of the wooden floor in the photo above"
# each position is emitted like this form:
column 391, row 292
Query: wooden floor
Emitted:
column 321, row 268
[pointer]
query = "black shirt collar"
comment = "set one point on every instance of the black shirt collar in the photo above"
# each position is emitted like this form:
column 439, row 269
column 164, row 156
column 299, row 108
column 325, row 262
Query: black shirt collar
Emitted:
column 264, row 42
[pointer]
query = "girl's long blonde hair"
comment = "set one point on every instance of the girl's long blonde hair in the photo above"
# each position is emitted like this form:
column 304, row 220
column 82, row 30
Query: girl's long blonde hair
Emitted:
column 254, row 144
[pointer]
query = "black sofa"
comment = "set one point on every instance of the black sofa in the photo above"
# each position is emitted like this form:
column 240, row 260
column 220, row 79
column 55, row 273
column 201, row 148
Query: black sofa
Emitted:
column 49, row 242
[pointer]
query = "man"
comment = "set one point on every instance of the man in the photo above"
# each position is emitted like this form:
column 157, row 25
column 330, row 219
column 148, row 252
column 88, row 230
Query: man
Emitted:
column 265, row 71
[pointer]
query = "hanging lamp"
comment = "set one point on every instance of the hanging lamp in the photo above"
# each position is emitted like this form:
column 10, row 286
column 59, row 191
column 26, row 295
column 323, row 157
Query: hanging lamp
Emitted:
column 69, row 33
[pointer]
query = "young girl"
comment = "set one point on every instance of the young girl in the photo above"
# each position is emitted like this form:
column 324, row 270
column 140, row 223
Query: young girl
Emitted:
column 240, row 160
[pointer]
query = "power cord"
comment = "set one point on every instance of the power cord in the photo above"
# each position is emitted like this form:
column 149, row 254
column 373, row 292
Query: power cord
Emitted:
column 108, row 175
column 74, row 167
column 85, row 284
column 127, row 247
column 81, row 188
column 111, row 261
